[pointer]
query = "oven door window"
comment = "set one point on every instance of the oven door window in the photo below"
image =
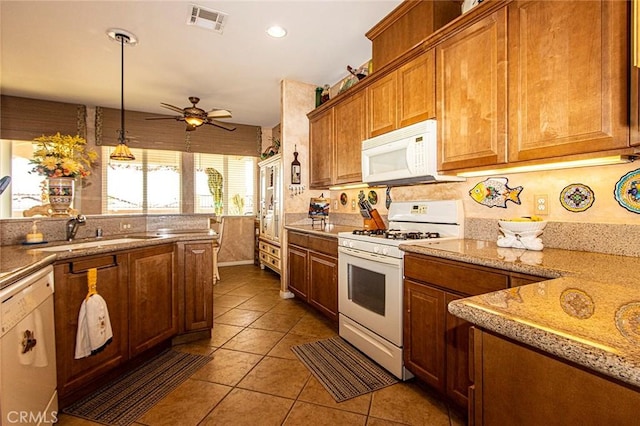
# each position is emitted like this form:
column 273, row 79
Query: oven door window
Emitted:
column 367, row 289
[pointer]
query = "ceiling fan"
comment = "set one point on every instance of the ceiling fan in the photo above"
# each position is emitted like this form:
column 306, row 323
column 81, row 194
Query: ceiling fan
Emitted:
column 196, row 117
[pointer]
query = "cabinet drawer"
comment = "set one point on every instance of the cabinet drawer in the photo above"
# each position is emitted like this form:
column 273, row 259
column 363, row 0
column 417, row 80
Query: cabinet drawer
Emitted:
column 458, row 277
column 323, row 245
column 270, row 249
column 269, row 260
column 298, row 239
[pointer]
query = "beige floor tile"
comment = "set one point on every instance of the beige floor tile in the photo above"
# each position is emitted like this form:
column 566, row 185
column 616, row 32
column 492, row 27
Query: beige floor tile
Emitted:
column 312, row 325
column 315, row 393
column 259, row 303
column 254, row 340
column 277, row 376
column 372, row 421
column 276, row 322
column 197, row 348
column 290, row 307
column 283, row 348
column 304, row 414
column 228, row 301
column 67, row 420
column 248, row 290
column 227, row 367
column 221, row 333
column 217, row 311
column 242, row 407
column 408, row 403
column 239, row 317
column 187, row 405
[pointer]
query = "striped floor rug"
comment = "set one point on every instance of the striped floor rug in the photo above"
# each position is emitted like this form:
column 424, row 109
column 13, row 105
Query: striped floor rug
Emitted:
column 343, row 370
column 125, row 399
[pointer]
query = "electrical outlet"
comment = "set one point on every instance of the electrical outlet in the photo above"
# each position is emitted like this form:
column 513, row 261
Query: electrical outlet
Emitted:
column 335, row 204
column 124, row 226
column 541, row 204
column 353, row 205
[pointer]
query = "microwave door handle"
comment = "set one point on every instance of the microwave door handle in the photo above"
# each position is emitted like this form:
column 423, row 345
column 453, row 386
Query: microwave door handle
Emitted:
column 411, row 155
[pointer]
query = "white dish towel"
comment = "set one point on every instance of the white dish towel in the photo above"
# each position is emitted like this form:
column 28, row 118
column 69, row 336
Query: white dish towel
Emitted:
column 94, row 326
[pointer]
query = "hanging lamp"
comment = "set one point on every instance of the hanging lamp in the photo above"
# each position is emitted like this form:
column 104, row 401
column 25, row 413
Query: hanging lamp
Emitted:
column 122, row 151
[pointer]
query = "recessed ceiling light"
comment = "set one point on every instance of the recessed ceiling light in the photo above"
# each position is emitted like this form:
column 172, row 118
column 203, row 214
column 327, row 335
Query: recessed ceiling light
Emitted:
column 276, row 31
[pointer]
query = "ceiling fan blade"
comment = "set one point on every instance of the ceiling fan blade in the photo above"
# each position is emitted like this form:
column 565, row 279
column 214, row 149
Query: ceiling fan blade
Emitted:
column 221, row 125
column 172, row 107
column 163, row 118
column 219, row 113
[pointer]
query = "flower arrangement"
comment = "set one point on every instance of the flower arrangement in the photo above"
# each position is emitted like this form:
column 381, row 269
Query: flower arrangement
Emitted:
column 63, row 156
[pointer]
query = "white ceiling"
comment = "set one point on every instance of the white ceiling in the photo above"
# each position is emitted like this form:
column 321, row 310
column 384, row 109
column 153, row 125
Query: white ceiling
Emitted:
column 59, row 50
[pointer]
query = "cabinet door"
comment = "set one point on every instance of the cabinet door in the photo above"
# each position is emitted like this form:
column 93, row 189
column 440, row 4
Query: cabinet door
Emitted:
column 350, row 131
column 472, row 95
column 424, row 333
column 417, row 90
column 71, row 289
column 297, row 271
column 321, row 150
column 381, row 104
column 323, row 284
column 567, row 78
column 457, row 356
column 153, row 317
column 198, row 286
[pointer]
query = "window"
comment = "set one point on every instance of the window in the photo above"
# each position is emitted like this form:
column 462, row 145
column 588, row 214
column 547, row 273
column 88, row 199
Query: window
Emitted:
column 149, row 184
column 224, row 184
column 26, row 188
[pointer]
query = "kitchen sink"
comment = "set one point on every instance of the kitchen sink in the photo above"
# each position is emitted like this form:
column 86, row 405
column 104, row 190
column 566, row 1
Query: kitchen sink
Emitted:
column 92, row 244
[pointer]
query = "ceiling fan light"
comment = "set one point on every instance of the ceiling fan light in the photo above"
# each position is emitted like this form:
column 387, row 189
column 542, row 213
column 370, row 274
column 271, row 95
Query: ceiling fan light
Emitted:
column 276, row 31
column 194, row 121
column 122, row 153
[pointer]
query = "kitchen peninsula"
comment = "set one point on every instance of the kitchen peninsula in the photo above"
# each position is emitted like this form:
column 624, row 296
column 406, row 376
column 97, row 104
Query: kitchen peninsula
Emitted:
column 567, row 346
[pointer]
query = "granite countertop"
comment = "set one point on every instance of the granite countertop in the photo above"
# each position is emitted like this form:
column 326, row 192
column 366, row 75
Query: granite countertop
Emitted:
column 17, row 261
column 330, row 230
column 589, row 314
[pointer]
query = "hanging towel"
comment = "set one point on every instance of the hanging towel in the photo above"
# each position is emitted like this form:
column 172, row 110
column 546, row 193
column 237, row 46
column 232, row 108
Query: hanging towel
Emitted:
column 94, row 326
column 32, row 346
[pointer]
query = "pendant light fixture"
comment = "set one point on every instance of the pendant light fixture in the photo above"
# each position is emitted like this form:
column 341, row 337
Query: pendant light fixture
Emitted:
column 122, row 151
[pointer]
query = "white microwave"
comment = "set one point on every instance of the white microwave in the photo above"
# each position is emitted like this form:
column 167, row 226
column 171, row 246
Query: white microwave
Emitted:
column 403, row 157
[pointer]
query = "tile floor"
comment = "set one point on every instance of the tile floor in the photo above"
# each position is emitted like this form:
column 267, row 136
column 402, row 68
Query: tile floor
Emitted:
column 255, row 379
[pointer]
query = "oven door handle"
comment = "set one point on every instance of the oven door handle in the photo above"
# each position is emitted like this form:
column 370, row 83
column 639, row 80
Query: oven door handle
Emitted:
column 370, row 256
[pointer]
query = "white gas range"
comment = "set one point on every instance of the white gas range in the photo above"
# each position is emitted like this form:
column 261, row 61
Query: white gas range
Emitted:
column 370, row 273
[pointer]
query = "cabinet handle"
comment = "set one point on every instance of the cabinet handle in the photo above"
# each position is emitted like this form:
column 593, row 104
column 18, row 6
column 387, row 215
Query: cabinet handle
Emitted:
column 82, row 271
column 197, row 251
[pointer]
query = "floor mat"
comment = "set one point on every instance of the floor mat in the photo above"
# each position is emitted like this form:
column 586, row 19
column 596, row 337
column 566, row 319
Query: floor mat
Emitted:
column 343, row 370
column 125, row 399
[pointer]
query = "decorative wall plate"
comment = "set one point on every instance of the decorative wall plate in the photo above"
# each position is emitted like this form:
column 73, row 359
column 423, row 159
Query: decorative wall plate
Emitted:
column 373, row 197
column 343, row 199
column 627, row 191
column 577, row 197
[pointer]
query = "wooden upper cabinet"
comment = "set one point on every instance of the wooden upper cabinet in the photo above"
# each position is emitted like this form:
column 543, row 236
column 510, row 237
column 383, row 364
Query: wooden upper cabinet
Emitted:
column 350, row 131
column 381, row 101
column 568, row 79
column 417, row 90
column 472, row 95
column 403, row 97
column 321, row 149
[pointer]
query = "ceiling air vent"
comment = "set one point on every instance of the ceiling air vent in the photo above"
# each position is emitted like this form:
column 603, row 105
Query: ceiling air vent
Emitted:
column 207, row 18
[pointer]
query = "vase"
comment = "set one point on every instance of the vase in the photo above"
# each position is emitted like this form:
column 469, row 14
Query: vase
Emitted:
column 60, row 194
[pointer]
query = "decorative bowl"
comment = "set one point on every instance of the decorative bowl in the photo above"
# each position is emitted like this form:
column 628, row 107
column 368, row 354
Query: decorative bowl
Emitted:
column 519, row 227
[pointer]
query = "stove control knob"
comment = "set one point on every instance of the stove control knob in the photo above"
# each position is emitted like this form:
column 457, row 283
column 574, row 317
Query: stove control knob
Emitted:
column 350, row 244
column 376, row 249
column 345, row 243
column 385, row 251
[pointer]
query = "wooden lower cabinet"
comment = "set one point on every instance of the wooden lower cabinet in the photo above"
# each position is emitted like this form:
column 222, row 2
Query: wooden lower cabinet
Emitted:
column 312, row 264
column 516, row 384
column 71, row 290
column 153, row 316
column 436, row 343
column 195, row 279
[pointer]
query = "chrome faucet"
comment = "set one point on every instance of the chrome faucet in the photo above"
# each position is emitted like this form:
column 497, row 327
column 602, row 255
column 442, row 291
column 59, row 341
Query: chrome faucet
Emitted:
column 73, row 224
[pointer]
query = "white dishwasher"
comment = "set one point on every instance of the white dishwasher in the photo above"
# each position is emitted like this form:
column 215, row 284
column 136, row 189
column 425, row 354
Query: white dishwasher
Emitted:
column 28, row 393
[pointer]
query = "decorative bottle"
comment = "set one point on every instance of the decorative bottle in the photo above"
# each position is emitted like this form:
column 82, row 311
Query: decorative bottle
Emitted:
column 295, row 168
